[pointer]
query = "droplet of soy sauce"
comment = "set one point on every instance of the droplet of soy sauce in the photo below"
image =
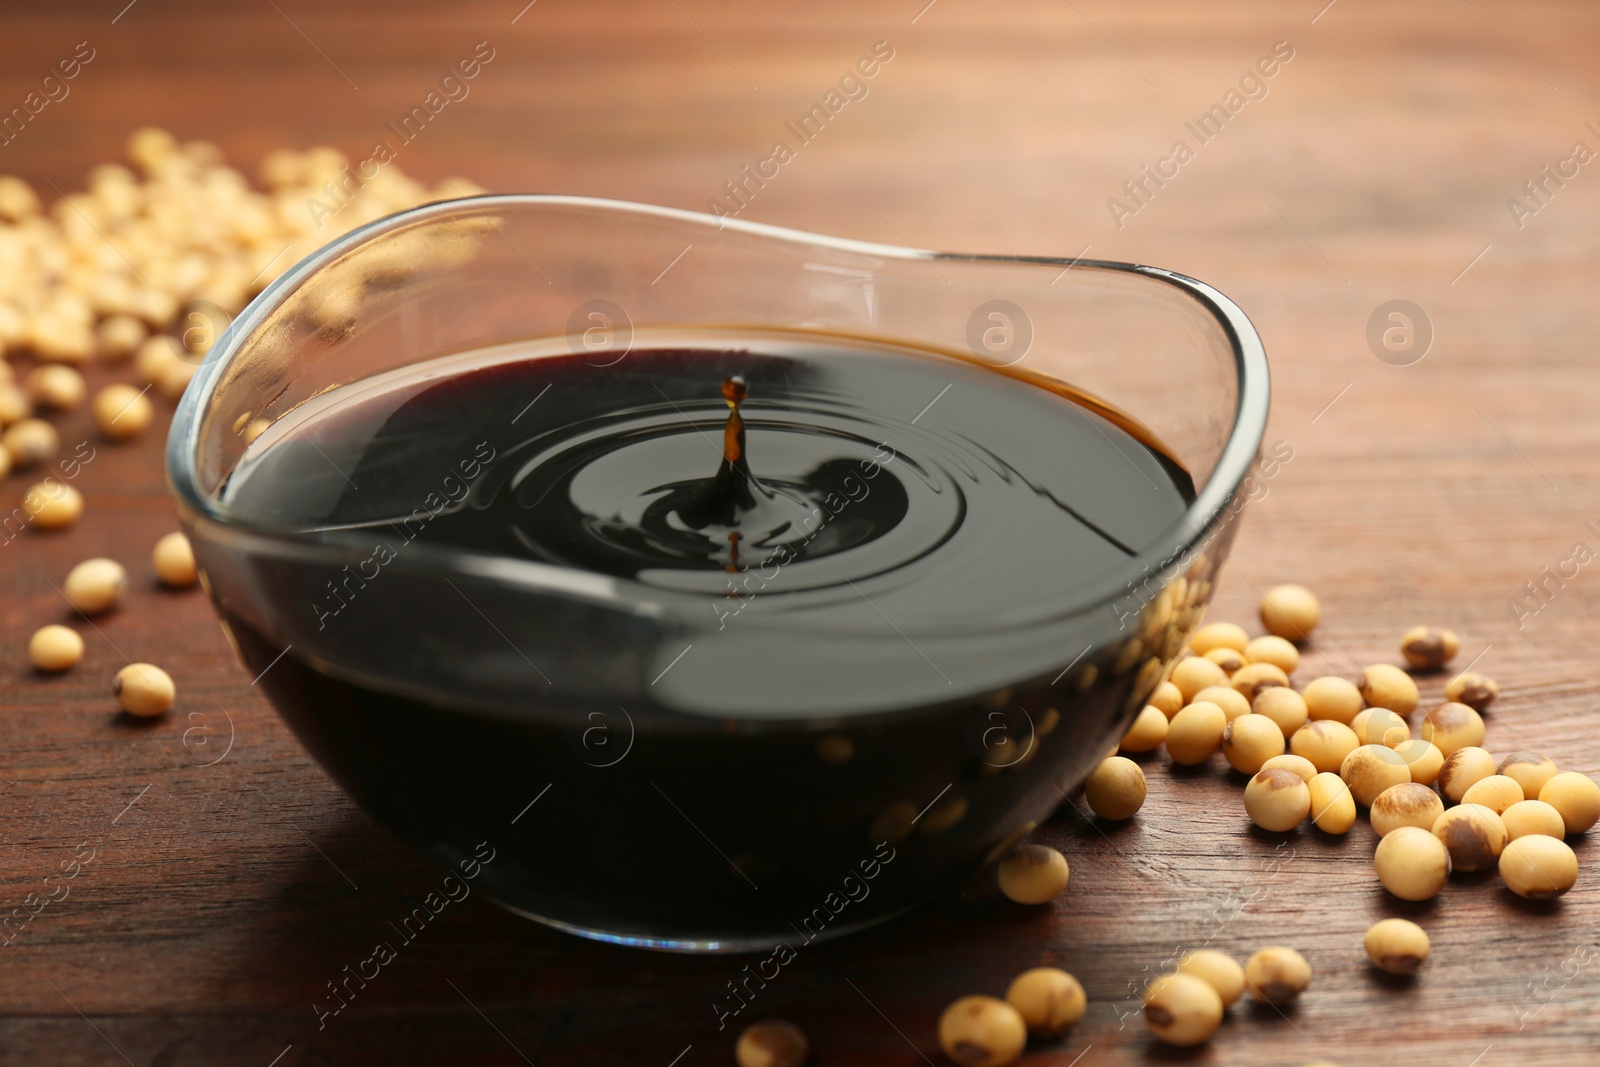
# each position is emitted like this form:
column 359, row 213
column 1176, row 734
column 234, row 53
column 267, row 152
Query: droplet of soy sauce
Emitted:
column 734, row 491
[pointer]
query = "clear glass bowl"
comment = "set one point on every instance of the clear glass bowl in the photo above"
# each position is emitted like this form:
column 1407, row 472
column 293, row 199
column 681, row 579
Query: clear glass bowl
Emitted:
column 607, row 806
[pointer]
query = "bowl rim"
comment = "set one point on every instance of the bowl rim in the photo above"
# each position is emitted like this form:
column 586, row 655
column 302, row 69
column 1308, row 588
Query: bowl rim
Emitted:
column 1180, row 541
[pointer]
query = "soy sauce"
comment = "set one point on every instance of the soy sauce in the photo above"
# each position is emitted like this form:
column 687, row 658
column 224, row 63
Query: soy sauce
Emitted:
column 798, row 575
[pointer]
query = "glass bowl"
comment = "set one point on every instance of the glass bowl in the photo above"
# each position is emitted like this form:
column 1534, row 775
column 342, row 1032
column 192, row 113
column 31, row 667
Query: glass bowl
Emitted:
column 562, row 735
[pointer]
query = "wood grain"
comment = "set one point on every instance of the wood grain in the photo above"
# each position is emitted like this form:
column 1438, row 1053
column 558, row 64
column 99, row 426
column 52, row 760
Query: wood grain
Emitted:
column 221, row 898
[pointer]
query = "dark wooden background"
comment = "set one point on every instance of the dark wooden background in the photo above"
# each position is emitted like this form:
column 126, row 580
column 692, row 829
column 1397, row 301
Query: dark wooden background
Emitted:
column 222, row 897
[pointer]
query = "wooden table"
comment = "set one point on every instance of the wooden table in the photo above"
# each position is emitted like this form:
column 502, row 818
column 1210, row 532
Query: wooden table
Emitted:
column 1378, row 165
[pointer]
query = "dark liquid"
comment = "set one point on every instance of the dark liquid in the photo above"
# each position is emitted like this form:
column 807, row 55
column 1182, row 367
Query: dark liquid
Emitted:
column 796, row 627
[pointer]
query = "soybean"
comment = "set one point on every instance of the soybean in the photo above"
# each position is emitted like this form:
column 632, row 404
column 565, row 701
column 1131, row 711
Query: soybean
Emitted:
column 1397, row 946
column 143, row 689
column 1373, row 725
column 15, row 406
column 1412, row 863
column 122, row 412
column 1527, row 817
column 774, row 1043
column 1230, row 700
column 1576, row 797
column 1228, row 659
column 1538, row 867
column 1370, row 769
column 57, row 648
column 1298, row 764
column 1325, row 743
column 1333, row 809
column 1249, row 741
column 1283, row 706
column 1496, row 792
column 95, row 586
column 1195, row 733
column 833, row 749
column 1453, row 726
column 1408, row 804
column 173, row 559
column 982, row 1032
column 1181, row 1009
column 55, row 387
column 1463, row 769
column 1116, row 789
column 1193, row 674
column 30, row 442
column 1168, row 698
column 1290, row 611
column 1033, row 874
column 1530, row 770
column 175, row 378
column 1277, row 800
column 1477, row 691
column 1274, row 650
column 1474, row 835
column 119, row 335
column 154, row 357
column 1384, row 686
column 1253, row 678
column 1050, row 1000
column 1218, row 970
column 1424, row 759
column 1332, row 698
column 1277, row 975
column 1428, row 648
column 52, row 505
column 1216, row 635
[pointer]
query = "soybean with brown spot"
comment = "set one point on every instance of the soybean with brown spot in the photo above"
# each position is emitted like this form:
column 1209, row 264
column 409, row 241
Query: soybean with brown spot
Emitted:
column 1428, row 648
column 1473, row 834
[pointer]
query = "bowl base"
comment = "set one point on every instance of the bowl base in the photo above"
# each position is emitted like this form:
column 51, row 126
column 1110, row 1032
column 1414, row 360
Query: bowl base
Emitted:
column 693, row 945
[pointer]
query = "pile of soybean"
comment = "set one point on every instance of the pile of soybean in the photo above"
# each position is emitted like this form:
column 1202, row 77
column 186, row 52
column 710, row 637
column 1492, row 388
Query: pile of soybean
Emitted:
column 1439, row 802
column 139, row 273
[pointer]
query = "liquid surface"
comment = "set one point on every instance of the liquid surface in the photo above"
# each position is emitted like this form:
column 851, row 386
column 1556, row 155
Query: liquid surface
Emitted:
column 941, row 491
